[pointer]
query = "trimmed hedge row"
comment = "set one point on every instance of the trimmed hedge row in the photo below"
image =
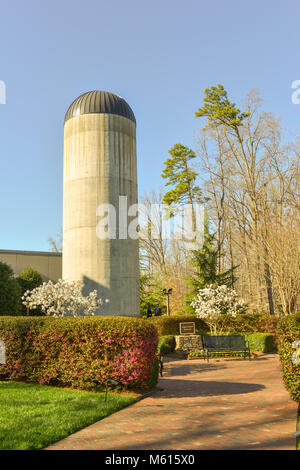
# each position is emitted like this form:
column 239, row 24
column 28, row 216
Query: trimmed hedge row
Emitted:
column 288, row 332
column 80, row 352
column 244, row 323
column 251, row 323
column 170, row 325
column 263, row 342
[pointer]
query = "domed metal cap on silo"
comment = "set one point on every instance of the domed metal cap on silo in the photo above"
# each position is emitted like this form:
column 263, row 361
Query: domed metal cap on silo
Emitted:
column 99, row 102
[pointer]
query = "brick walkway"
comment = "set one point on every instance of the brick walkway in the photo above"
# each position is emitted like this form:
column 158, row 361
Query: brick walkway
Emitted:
column 226, row 404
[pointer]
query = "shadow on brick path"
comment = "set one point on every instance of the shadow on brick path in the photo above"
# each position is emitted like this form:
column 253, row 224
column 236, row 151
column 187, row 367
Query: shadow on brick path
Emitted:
column 226, row 404
column 188, row 388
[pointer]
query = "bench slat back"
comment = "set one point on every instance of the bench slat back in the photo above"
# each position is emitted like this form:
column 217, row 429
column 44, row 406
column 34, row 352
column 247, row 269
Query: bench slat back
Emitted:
column 230, row 341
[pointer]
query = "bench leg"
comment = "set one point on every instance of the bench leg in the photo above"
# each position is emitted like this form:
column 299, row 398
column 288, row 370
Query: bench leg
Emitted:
column 161, row 366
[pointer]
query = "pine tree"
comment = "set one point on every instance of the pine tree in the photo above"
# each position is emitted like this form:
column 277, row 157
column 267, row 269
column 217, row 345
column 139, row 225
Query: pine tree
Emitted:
column 183, row 179
column 205, row 260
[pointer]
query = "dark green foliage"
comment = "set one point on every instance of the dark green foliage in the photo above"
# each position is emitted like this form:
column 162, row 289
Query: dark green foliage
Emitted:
column 153, row 379
column 170, row 325
column 219, row 110
column 166, row 344
column 29, row 279
column 289, row 331
column 263, row 342
column 10, row 292
column 206, row 261
column 181, row 177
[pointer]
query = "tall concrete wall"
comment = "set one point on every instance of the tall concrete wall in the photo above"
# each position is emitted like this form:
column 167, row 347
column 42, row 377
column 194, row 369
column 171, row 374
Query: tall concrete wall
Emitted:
column 49, row 265
column 99, row 166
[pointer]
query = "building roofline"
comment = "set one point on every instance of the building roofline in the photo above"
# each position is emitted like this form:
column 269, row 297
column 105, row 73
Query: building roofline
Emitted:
column 37, row 253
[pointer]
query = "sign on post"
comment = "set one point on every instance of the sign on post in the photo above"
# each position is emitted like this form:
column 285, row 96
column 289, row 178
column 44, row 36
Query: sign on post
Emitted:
column 2, row 352
column 187, row 328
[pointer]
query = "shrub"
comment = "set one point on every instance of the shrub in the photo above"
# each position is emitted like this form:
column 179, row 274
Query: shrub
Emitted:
column 79, row 352
column 288, row 332
column 251, row 323
column 29, row 279
column 152, row 381
column 10, row 292
column 170, row 325
column 166, row 344
column 264, row 342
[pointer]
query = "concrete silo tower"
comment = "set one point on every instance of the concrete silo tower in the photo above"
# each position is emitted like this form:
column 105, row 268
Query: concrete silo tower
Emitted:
column 99, row 167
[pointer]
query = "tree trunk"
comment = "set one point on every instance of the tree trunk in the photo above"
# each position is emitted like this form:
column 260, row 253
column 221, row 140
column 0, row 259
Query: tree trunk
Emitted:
column 269, row 289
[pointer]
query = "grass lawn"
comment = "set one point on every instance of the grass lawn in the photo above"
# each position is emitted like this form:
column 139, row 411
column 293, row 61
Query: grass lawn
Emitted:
column 34, row 416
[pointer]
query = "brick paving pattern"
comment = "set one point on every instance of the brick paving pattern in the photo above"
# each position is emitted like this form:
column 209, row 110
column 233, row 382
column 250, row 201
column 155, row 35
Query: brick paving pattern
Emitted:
column 227, row 404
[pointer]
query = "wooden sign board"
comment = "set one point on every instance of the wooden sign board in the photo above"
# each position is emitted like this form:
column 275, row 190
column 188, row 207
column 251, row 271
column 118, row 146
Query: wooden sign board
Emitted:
column 187, row 328
column 2, row 352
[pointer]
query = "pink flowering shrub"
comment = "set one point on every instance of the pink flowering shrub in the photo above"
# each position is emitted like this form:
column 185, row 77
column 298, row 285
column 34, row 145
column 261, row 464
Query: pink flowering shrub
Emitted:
column 288, row 336
column 80, row 352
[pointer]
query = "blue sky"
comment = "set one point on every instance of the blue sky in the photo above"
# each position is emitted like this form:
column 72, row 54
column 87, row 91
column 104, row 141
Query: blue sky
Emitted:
column 158, row 55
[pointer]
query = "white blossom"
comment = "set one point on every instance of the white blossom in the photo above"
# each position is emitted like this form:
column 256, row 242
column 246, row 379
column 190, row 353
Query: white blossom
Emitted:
column 214, row 302
column 63, row 298
column 296, row 354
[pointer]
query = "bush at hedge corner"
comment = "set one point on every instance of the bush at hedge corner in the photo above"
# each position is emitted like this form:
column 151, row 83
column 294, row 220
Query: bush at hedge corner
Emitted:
column 80, row 352
column 288, row 334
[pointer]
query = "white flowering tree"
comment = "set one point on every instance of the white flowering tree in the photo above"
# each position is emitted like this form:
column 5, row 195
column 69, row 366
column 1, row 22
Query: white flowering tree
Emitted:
column 63, row 298
column 214, row 303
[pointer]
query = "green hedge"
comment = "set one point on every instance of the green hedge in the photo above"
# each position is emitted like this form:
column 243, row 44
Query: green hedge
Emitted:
column 80, row 352
column 170, row 325
column 166, row 344
column 288, row 332
column 261, row 342
column 244, row 323
column 251, row 323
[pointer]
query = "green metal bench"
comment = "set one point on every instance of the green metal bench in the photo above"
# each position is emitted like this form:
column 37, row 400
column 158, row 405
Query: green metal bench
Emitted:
column 225, row 345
